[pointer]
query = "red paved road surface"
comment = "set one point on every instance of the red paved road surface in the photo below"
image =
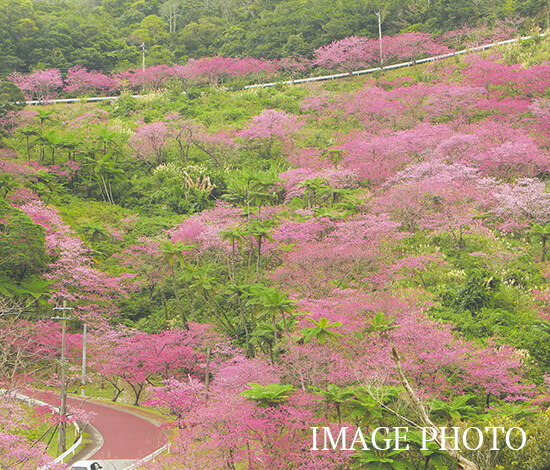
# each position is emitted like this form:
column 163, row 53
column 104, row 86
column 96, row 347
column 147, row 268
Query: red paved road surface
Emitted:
column 125, row 435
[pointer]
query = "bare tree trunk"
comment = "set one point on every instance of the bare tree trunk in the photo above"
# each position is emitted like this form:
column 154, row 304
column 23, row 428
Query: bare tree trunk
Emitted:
column 207, row 372
column 462, row 461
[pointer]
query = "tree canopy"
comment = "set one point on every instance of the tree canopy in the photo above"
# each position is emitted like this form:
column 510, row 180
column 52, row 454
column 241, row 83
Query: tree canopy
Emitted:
column 106, row 35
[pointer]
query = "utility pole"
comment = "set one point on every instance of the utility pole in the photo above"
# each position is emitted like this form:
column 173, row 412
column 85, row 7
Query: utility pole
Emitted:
column 82, row 390
column 380, row 37
column 143, row 51
column 62, row 442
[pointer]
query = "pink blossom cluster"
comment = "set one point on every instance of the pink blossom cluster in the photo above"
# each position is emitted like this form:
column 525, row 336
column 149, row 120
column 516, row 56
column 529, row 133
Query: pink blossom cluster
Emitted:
column 81, row 81
column 74, row 277
column 346, row 54
column 355, row 52
column 294, row 179
column 204, row 228
column 468, row 36
column 16, row 450
column 40, row 84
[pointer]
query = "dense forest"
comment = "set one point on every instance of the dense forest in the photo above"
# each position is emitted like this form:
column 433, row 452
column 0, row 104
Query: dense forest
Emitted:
column 106, row 35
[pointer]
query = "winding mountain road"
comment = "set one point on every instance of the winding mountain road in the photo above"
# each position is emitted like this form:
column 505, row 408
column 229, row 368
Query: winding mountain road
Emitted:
column 116, row 433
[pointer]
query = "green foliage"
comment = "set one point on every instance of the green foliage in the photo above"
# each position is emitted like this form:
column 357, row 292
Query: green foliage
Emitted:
column 458, row 409
column 385, row 459
column 380, row 324
column 322, row 331
column 48, row 186
column 432, row 454
column 96, row 230
column 535, row 455
column 106, row 37
column 11, row 97
column 267, row 395
column 22, row 247
column 529, row 52
column 543, row 233
column 476, row 292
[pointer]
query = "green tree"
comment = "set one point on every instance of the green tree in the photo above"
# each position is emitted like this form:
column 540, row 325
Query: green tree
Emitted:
column 43, row 115
column 96, row 231
column 235, row 236
column 203, row 283
column 267, row 395
column 260, row 230
column 11, row 97
column 27, row 133
column 22, row 245
column 172, row 255
column 458, row 409
column 543, row 233
column 322, row 331
column 271, row 303
column 337, row 396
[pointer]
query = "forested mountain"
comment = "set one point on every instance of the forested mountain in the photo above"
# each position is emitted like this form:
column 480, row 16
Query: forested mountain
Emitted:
column 106, row 35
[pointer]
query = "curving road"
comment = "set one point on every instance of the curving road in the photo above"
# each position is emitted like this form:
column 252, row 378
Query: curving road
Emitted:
column 116, row 434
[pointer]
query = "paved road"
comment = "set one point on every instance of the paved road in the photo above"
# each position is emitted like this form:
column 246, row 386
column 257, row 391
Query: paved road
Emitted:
column 116, row 434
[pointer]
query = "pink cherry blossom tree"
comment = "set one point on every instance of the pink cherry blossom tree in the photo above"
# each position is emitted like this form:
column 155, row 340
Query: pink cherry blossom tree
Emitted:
column 215, row 69
column 40, row 85
column 347, row 54
column 92, row 292
column 270, row 126
column 139, row 359
column 82, row 81
column 150, row 79
column 149, row 142
column 411, row 47
column 502, row 79
column 17, row 449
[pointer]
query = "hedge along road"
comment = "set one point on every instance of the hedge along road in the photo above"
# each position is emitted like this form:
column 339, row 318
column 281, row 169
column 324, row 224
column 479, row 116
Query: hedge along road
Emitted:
column 125, row 435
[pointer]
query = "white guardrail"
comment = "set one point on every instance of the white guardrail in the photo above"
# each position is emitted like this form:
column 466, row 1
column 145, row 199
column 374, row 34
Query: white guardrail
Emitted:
column 72, row 449
column 394, row 66
column 76, row 100
column 315, row 79
column 150, row 457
